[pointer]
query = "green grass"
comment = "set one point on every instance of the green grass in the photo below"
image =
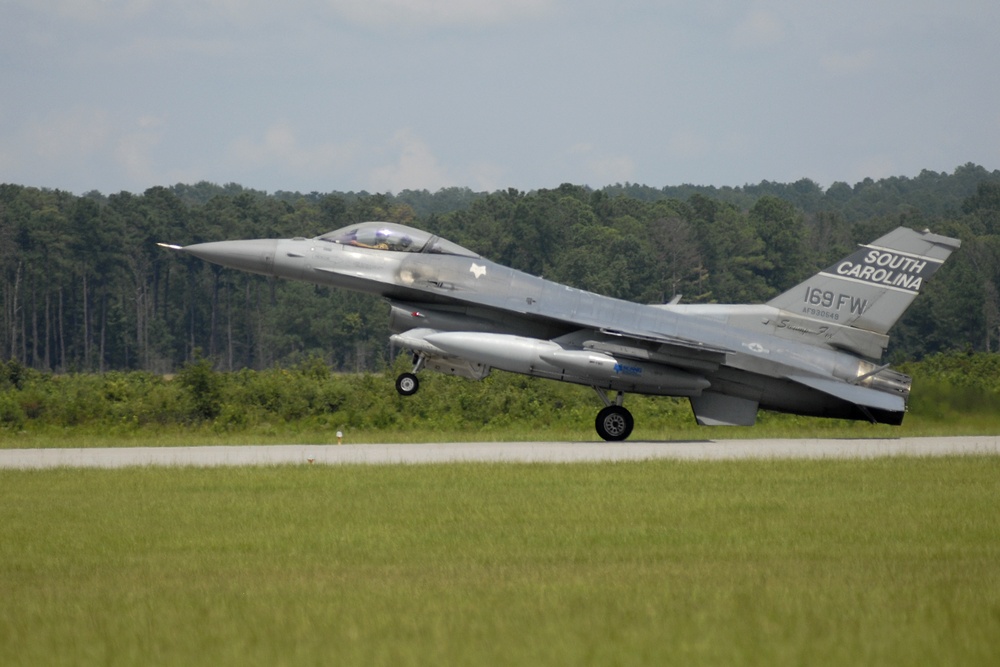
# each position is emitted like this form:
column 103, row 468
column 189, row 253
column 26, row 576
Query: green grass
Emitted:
column 885, row 562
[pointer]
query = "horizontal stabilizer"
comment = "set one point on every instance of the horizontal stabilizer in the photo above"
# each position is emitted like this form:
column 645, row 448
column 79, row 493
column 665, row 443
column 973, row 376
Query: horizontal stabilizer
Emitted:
column 852, row 393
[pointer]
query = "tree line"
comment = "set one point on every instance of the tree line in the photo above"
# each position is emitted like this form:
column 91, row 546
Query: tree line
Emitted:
column 84, row 287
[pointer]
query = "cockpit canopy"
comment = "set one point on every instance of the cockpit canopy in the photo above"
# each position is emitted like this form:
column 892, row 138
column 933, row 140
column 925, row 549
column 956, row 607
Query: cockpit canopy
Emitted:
column 393, row 237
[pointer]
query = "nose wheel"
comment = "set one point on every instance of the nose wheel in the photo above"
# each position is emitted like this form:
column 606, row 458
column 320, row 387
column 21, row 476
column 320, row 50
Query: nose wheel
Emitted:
column 407, row 384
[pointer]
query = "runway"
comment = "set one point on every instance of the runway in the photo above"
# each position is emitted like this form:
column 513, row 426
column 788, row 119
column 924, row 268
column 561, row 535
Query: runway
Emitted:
column 505, row 452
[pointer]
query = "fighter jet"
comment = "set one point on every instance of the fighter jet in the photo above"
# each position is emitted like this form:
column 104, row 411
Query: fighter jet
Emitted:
column 813, row 350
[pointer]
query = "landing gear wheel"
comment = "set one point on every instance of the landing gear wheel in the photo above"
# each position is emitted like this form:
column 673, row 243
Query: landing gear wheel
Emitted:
column 407, row 384
column 614, row 423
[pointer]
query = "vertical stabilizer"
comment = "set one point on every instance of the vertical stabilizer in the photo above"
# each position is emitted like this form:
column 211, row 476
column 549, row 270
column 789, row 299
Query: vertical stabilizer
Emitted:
column 871, row 288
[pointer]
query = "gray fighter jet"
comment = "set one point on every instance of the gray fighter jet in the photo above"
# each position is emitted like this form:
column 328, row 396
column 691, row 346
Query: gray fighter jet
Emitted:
column 813, row 350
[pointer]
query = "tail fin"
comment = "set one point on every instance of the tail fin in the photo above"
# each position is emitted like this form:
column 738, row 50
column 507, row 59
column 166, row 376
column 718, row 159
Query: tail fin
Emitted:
column 871, row 288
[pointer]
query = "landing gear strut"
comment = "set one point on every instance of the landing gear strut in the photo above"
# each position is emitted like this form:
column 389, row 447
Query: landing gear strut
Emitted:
column 614, row 423
column 407, row 384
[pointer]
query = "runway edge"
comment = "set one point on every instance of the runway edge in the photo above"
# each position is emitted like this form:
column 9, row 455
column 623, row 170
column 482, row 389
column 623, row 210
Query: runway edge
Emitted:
column 510, row 452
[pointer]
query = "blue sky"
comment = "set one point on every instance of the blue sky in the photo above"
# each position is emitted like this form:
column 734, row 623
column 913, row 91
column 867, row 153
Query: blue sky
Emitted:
column 386, row 95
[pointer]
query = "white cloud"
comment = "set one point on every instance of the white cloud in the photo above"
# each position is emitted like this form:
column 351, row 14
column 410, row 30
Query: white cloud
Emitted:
column 845, row 64
column 7, row 156
column 603, row 169
column 688, row 145
column 88, row 10
column 83, row 147
column 486, row 177
column 612, row 169
column 758, row 30
column 439, row 12
column 416, row 167
column 406, row 13
column 133, row 150
column 69, row 135
column 146, row 48
column 280, row 148
column 874, row 167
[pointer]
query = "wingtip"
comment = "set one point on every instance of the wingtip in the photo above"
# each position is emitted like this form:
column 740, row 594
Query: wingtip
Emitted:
column 170, row 246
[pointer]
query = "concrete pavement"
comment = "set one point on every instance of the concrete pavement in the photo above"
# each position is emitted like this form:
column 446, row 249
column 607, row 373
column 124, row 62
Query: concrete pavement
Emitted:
column 513, row 452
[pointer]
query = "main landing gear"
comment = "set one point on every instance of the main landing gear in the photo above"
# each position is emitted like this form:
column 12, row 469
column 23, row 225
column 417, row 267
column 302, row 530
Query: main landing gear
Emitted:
column 614, row 423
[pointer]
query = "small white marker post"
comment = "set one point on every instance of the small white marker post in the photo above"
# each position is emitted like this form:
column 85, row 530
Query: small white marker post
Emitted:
column 340, row 437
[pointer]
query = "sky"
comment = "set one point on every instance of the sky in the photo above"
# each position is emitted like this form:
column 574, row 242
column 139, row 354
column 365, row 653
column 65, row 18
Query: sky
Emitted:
column 388, row 95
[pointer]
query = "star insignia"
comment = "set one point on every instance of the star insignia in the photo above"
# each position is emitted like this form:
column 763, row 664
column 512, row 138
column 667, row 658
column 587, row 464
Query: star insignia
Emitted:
column 478, row 271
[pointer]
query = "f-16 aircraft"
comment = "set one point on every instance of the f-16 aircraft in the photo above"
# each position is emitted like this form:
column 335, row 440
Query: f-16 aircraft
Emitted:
column 812, row 350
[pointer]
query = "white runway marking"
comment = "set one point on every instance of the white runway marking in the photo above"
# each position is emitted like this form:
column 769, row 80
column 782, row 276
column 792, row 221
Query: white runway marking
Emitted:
column 512, row 452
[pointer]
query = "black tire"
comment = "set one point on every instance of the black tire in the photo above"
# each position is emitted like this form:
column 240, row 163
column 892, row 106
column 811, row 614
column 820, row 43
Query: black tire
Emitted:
column 407, row 384
column 614, row 423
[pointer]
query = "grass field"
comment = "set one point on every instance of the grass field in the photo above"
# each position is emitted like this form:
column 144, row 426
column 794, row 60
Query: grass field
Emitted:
column 884, row 562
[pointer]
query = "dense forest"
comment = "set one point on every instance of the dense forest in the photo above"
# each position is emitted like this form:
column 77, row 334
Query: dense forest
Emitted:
column 85, row 287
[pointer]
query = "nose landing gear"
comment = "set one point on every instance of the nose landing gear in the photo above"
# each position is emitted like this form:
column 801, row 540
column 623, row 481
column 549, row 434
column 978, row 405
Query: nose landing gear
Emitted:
column 407, row 384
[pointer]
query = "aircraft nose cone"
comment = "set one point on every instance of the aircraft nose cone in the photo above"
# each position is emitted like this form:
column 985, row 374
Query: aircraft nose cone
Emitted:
column 256, row 256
